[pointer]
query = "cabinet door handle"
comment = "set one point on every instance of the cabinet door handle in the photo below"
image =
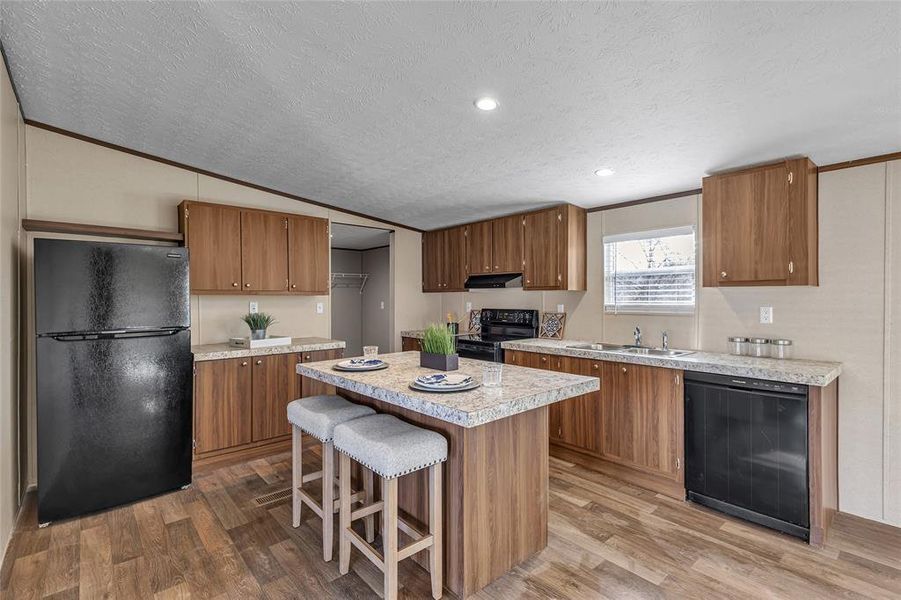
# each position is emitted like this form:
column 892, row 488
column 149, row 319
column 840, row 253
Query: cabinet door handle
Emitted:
column 244, row 364
column 246, row 285
column 624, row 369
column 235, row 284
column 595, row 366
column 677, row 380
column 723, row 275
column 259, row 362
column 678, row 464
column 293, row 286
column 791, row 266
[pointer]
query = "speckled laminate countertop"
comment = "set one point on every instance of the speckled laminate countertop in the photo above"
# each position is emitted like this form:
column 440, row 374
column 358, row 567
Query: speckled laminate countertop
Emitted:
column 522, row 389
column 300, row 344
column 806, row 372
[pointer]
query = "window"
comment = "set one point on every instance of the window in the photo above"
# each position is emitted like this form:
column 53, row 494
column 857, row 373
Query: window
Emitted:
column 650, row 271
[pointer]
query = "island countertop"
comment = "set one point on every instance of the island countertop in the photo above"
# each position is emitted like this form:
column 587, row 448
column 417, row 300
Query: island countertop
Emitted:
column 806, row 372
column 522, row 389
column 298, row 344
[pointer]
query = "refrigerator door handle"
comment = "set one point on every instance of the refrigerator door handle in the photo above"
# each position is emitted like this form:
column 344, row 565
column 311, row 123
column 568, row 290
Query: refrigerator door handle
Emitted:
column 119, row 334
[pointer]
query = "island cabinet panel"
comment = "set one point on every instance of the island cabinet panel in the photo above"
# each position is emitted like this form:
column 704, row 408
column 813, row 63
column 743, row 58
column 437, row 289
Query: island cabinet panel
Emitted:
column 308, row 255
column 222, row 404
column 479, row 244
column 273, row 389
column 495, row 494
column 238, row 250
column 213, row 235
column 408, row 344
column 760, row 225
column 507, row 244
column 264, row 251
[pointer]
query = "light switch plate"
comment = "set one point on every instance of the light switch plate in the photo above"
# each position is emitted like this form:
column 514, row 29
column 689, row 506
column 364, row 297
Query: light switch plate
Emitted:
column 468, row 306
column 382, row 305
column 766, row 314
column 320, row 308
column 561, row 308
column 254, row 307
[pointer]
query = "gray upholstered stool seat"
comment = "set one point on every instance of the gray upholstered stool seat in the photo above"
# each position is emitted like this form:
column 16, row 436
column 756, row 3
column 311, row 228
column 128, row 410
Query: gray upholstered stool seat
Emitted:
column 318, row 415
column 388, row 446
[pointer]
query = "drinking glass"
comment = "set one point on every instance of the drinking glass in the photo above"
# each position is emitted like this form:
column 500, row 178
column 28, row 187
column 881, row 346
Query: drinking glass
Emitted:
column 370, row 352
column 492, row 374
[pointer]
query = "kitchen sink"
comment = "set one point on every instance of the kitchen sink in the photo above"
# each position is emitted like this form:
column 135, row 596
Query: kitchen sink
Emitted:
column 654, row 351
column 598, row 346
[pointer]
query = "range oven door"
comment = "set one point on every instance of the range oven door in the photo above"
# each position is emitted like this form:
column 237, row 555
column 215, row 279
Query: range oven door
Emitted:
column 478, row 351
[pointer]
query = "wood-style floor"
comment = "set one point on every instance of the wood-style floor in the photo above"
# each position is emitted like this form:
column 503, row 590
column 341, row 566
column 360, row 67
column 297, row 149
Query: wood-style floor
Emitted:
column 607, row 540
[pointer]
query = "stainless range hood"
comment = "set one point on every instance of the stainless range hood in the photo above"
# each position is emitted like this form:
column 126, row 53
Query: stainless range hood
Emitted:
column 501, row 280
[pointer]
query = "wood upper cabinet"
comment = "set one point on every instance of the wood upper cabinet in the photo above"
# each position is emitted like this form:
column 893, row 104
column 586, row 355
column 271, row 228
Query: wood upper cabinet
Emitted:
column 454, row 262
column 479, row 244
column 554, row 249
column 264, row 251
column 273, row 389
column 308, row 255
column 433, row 261
column 213, row 235
column 507, row 244
column 642, row 417
column 760, row 226
column 237, row 250
column 222, row 404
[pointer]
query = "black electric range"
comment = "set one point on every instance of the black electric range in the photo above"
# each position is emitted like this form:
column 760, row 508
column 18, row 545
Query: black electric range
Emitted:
column 498, row 325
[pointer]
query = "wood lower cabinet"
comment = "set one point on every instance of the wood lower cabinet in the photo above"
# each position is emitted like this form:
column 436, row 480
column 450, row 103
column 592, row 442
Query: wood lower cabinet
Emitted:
column 273, row 388
column 313, row 387
column 632, row 428
column 241, row 403
column 214, row 239
column 222, row 404
column 409, row 344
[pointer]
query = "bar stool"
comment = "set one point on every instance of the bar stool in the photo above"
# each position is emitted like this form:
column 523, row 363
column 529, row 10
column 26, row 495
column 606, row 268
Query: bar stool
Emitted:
column 390, row 448
column 318, row 416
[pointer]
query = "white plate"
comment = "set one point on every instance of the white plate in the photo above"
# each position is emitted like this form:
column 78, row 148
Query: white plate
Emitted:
column 443, row 381
column 445, row 389
column 373, row 364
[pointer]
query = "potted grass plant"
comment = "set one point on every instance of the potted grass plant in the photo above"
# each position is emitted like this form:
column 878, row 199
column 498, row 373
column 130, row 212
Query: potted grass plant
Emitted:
column 258, row 323
column 439, row 349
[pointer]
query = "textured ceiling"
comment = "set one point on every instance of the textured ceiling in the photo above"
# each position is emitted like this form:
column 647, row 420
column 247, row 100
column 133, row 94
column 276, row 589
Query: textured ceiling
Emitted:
column 369, row 106
column 355, row 237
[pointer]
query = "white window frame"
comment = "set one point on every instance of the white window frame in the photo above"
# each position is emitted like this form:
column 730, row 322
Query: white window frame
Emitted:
column 640, row 309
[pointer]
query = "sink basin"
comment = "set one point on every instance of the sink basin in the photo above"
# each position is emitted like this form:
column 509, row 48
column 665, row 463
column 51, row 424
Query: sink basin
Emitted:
column 598, row 346
column 654, row 351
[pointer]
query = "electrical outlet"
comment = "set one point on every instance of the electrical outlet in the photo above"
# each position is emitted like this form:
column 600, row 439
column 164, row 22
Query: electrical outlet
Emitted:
column 468, row 306
column 320, row 308
column 254, row 308
column 382, row 305
column 561, row 308
column 766, row 314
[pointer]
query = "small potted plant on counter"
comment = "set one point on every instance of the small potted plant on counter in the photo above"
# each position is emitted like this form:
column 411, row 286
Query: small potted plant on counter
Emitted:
column 438, row 349
column 258, row 323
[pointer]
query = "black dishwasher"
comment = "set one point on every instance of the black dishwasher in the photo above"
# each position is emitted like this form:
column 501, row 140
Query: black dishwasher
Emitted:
column 746, row 449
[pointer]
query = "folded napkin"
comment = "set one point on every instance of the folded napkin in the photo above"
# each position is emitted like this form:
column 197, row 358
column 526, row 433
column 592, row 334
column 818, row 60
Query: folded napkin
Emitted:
column 442, row 379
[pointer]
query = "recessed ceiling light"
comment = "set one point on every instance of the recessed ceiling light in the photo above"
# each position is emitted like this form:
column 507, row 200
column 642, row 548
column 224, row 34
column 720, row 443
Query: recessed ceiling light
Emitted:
column 604, row 172
column 486, row 103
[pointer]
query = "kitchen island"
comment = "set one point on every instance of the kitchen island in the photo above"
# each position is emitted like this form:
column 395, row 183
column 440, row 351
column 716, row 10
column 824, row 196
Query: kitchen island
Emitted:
column 496, row 475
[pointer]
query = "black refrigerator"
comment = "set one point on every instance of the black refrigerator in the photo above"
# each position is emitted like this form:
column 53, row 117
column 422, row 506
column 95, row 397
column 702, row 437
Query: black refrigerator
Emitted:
column 114, row 374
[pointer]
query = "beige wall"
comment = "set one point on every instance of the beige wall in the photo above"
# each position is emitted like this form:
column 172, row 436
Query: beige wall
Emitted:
column 71, row 180
column 376, row 329
column 347, row 303
column 12, row 199
column 853, row 316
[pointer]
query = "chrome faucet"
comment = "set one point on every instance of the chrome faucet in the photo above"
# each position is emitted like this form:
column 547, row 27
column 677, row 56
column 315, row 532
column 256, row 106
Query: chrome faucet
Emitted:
column 665, row 340
column 637, row 335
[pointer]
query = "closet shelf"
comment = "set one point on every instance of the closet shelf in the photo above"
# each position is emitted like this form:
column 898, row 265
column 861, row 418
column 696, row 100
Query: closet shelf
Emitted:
column 349, row 280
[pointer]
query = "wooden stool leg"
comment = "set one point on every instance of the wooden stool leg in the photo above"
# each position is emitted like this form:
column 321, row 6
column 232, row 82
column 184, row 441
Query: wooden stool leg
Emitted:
column 389, row 536
column 328, row 500
column 435, row 518
column 369, row 498
column 296, row 473
column 344, row 518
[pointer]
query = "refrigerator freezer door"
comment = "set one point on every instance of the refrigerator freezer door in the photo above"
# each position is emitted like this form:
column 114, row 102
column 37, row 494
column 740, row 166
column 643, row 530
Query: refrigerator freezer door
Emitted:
column 101, row 286
column 114, row 421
